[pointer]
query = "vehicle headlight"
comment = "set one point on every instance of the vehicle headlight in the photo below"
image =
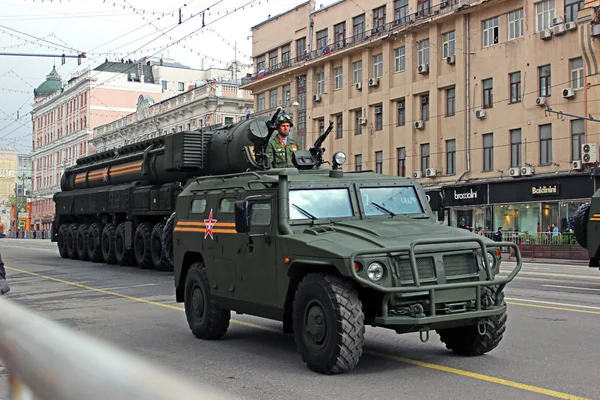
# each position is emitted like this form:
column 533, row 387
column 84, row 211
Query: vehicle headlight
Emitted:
column 339, row 158
column 375, row 271
column 492, row 260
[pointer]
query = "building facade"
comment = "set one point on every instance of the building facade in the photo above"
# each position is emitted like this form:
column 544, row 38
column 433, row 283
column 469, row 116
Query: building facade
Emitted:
column 452, row 93
column 64, row 116
column 211, row 103
column 8, row 180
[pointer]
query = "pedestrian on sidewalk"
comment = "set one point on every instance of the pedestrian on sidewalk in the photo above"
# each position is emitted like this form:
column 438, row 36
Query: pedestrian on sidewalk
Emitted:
column 3, row 284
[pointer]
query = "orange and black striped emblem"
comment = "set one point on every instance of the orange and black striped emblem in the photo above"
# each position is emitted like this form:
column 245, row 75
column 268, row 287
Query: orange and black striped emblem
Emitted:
column 595, row 217
column 209, row 226
column 105, row 173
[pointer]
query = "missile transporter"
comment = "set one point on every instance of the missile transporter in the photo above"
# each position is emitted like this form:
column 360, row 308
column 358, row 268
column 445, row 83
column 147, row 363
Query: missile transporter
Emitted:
column 325, row 251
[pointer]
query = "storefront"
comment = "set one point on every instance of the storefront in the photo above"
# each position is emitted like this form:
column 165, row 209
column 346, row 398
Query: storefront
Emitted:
column 525, row 205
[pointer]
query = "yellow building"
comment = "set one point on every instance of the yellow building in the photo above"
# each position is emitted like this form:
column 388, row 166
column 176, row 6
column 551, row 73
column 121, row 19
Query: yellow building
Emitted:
column 462, row 95
column 8, row 179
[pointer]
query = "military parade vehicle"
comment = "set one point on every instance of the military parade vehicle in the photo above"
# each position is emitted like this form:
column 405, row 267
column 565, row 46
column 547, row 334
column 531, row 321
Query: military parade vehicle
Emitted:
column 586, row 226
column 325, row 251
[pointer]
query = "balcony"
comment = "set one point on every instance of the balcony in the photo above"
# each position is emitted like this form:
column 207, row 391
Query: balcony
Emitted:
column 412, row 20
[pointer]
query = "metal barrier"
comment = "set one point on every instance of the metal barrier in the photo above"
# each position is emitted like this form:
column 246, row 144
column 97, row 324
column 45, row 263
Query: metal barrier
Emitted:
column 47, row 361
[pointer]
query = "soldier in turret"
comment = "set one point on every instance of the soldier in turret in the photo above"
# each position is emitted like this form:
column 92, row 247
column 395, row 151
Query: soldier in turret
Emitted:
column 282, row 146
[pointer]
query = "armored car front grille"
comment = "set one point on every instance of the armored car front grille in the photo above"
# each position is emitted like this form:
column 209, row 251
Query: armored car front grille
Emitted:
column 425, row 267
column 460, row 264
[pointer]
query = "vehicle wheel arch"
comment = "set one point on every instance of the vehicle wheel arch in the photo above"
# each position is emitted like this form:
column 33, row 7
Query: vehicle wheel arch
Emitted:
column 189, row 258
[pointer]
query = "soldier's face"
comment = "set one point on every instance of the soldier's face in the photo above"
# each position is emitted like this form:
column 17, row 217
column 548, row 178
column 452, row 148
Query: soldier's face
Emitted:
column 284, row 129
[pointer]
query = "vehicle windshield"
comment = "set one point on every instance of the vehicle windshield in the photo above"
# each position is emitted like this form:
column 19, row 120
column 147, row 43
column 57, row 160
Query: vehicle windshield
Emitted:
column 393, row 200
column 320, row 203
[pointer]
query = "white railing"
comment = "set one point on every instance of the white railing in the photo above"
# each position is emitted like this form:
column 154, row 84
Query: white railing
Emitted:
column 47, row 361
column 528, row 238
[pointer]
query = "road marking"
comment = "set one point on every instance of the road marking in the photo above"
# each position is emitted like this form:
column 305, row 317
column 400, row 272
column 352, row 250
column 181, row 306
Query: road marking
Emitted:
column 591, row 277
column 522, row 278
column 456, row 371
column 558, row 304
column 572, row 287
column 55, row 251
column 129, row 287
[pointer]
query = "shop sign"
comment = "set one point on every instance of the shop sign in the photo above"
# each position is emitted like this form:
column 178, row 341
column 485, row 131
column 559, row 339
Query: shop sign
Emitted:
column 476, row 194
column 543, row 190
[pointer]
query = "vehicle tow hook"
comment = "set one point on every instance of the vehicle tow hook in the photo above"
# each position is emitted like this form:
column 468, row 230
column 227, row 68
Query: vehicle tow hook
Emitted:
column 424, row 335
column 481, row 328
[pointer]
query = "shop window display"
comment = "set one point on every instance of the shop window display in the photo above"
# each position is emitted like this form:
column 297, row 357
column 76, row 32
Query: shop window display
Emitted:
column 517, row 217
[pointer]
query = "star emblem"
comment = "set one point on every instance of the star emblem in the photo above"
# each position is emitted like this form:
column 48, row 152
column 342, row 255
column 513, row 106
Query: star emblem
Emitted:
column 210, row 223
column 105, row 174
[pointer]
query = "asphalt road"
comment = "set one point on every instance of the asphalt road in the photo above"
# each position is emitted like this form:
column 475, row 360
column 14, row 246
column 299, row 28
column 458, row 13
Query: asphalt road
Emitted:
column 551, row 347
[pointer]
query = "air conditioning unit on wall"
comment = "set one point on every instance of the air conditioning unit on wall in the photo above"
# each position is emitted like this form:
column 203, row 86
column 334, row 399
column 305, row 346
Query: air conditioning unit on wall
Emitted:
column 514, row 172
column 589, row 153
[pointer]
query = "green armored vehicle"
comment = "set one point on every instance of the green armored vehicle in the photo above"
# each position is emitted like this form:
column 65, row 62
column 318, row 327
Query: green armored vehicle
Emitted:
column 586, row 226
column 328, row 252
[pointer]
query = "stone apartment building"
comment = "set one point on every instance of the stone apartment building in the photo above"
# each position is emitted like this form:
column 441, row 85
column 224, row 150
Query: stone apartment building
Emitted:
column 483, row 101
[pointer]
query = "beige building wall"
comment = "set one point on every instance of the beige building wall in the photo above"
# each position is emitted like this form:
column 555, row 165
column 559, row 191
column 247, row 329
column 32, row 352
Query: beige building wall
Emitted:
column 468, row 129
column 8, row 178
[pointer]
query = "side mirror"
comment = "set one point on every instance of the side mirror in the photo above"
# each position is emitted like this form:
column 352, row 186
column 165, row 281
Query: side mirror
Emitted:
column 242, row 222
column 441, row 211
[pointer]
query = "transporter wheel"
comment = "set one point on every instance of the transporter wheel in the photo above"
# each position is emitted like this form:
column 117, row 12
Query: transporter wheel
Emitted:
column 125, row 257
column 167, row 242
column 94, row 242
column 467, row 340
column 158, row 257
column 328, row 323
column 82, row 238
column 142, row 245
column 205, row 318
column 63, row 248
column 108, row 244
column 72, row 241
column 580, row 221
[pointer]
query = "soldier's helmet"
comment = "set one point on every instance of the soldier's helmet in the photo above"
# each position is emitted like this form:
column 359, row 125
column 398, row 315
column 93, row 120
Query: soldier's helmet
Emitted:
column 285, row 118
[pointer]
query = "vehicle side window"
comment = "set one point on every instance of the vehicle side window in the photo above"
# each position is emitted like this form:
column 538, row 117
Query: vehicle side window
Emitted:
column 227, row 205
column 260, row 214
column 198, row 206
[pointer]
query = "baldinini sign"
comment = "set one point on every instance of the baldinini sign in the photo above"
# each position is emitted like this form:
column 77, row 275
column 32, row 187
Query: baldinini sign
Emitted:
column 545, row 190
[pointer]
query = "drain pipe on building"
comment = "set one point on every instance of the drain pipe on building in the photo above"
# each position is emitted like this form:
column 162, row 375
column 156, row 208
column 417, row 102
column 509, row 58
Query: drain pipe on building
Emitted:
column 467, row 97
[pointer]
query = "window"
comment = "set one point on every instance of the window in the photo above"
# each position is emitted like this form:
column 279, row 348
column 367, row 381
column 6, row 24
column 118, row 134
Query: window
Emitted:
column 379, row 162
column 321, row 39
column 300, row 48
column 260, row 214
column 577, row 138
column 321, row 124
column 425, row 107
column 339, row 128
column 451, row 157
column 378, row 118
column 399, row 59
column 515, row 24
column 571, row 8
column 546, row 144
column 181, row 86
column 260, row 102
column 320, row 82
column 401, row 11
column 544, row 12
column 515, row 148
column 339, row 34
column 399, row 200
column 545, row 80
column 488, row 152
column 423, row 51
column 338, row 77
column 378, row 66
column 450, row 102
column 228, row 121
column 273, row 98
column 357, row 124
column 424, row 157
column 358, row 27
column 358, row 162
column 320, row 203
column 401, row 112
column 260, row 63
column 491, row 31
column 273, row 60
column 164, row 85
column 449, row 44
column 577, row 73
column 286, row 55
column 227, row 205
column 379, row 18
column 488, row 93
column 423, row 7
column 401, row 154
column 515, row 87
column 286, row 94
column 357, row 72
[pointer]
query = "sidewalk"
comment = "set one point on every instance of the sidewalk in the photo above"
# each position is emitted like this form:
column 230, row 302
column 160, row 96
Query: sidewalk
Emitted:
column 505, row 257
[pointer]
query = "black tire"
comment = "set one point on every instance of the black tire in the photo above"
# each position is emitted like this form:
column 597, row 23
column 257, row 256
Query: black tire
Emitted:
column 142, row 245
column 94, row 242
column 125, row 257
column 206, row 320
column 336, row 344
column 158, row 257
column 72, row 241
column 62, row 240
column 580, row 221
column 108, row 243
column 167, row 242
column 466, row 340
column 82, row 238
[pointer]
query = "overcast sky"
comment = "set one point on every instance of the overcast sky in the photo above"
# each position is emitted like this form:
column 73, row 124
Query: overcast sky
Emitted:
column 114, row 29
